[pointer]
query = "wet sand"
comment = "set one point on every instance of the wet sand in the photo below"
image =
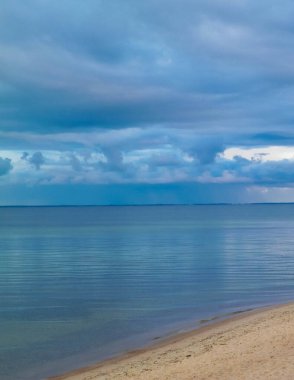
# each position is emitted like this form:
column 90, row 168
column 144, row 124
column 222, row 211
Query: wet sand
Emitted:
column 255, row 345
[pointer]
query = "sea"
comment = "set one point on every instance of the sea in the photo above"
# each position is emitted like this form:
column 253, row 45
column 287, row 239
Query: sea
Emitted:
column 82, row 284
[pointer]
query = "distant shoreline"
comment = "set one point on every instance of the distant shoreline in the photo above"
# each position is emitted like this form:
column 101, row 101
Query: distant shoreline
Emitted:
column 151, row 205
column 262, row 338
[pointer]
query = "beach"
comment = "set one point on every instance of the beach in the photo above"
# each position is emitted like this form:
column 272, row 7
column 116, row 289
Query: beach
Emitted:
column 254, row 345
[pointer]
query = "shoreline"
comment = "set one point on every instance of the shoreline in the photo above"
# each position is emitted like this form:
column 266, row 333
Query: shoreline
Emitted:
column 261, row 329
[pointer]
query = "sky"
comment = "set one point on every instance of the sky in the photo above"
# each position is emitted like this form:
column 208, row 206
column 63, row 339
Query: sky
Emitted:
column 130, row 102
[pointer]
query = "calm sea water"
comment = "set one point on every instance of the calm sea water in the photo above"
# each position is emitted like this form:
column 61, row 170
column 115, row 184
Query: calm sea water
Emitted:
column 81, row 284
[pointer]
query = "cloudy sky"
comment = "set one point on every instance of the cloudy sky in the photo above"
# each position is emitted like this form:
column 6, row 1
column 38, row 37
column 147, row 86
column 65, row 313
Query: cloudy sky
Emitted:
column 166, row 101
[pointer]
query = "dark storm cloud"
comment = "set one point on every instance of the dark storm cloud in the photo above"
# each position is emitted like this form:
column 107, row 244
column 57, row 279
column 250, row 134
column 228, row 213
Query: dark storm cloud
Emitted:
column 199, row 64
column 5, row 166
column 158, row 88
column 278, row 173
column 265, row 173
column 36, row 159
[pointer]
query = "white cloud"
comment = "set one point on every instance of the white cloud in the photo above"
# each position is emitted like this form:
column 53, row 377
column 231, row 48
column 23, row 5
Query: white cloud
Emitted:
column 269, row 153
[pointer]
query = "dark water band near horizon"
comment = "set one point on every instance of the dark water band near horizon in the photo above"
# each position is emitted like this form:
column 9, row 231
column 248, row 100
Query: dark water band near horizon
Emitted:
column 80, row 284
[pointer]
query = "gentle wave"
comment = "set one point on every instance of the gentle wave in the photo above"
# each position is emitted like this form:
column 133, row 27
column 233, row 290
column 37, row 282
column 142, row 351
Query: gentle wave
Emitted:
column 79, row 284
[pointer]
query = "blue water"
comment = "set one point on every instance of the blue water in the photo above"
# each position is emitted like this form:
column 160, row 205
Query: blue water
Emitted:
column 81, row 284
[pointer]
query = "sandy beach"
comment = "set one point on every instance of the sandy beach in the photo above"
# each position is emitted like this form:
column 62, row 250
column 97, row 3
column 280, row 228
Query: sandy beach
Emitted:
column 256, row 345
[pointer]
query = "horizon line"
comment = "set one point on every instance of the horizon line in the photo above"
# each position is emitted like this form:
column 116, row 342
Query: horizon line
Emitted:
column 154, row 204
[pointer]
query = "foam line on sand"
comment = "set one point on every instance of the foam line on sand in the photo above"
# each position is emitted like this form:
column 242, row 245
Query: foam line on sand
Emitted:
column 256, row 345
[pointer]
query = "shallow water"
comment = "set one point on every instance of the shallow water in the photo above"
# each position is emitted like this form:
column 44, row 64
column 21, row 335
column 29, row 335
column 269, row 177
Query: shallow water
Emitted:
column 80, row 284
